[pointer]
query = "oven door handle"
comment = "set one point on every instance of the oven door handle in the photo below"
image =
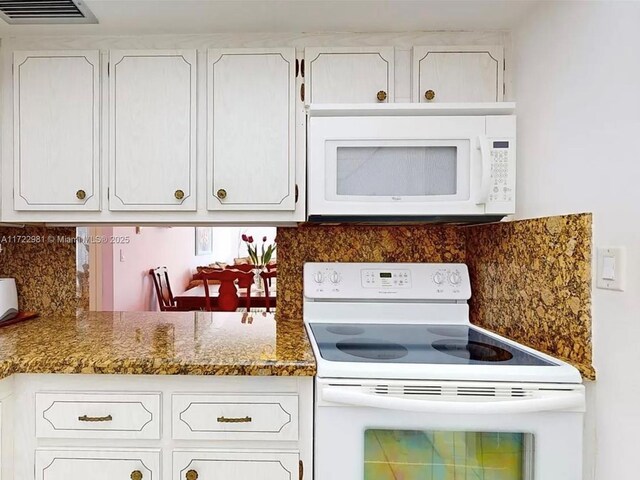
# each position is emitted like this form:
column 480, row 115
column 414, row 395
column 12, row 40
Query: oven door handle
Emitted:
column 485, row 179
column 574, row 401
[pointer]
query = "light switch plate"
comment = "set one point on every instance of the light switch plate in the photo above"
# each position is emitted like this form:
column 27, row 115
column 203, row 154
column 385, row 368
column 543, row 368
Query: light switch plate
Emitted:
column 611, row 266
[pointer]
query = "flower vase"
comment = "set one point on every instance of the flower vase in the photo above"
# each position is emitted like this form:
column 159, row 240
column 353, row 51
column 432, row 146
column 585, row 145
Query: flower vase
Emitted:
column 257, row 279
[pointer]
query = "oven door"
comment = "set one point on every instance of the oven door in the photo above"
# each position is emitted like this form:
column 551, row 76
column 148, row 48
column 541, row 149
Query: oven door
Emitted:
column 389, row 430
column 398, row 166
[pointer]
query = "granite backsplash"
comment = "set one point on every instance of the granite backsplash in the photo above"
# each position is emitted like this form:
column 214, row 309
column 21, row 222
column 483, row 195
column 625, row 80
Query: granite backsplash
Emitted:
column 43, row 262
column 531, row 282
column 355, row 243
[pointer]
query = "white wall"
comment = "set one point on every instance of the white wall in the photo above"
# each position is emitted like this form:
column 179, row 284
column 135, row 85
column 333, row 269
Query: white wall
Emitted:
column 577, row 86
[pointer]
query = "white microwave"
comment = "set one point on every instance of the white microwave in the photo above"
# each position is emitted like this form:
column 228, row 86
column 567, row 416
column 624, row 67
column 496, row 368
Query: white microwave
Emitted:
column 411, row 162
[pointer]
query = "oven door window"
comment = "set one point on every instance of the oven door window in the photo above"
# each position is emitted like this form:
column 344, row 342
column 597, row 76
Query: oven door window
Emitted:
column 443, row 455
column 391, row 170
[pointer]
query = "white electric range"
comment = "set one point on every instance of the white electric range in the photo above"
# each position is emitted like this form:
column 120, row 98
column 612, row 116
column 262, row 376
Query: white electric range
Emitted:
column 407, row 388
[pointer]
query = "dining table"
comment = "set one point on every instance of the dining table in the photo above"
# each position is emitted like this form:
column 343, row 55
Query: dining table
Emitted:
column 194, row 298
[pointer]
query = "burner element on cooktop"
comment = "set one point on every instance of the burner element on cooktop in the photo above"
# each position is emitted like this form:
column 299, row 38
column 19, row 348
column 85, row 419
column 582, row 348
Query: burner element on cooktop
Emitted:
column 449, row 331
column 345, row 330
column 472, row 350
column 372, row 349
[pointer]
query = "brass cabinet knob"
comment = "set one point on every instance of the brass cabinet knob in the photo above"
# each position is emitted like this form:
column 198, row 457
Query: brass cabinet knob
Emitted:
column 221, row 194
column 179, row 194
column 429, row 94
column 381, row 96
column 136, row 475
column 191, row 475
column 81, row 194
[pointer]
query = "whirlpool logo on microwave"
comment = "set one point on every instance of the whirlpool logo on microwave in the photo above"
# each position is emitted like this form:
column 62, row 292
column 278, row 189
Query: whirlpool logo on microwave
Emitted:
column 396, row 199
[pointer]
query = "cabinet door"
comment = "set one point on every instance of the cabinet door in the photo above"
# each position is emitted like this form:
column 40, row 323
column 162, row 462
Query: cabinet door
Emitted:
column 235, row 465
column 458, row 74
column 56, row 130
column 251, row 129
column 349, row 75
column 100, row 464
column 153, row 130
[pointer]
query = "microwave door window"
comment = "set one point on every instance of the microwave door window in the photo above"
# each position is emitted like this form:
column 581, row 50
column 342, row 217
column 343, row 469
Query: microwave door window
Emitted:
column 397, row 171
column 446, row 455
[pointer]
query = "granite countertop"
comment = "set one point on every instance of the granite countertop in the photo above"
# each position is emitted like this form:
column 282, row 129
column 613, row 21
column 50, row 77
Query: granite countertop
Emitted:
column 158, row 343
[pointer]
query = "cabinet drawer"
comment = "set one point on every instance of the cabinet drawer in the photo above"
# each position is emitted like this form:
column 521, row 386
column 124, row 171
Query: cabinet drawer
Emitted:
column 97, row 464
column 243, row 465
column 241, row 417
column 98, row 415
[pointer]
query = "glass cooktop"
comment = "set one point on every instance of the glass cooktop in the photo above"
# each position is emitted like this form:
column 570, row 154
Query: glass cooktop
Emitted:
column 423, row 344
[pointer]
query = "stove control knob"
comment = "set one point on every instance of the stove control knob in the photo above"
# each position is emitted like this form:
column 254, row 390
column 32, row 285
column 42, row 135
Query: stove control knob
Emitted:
column 454, row 278
column 334, row 277
column 318, row 277
column 438, row 278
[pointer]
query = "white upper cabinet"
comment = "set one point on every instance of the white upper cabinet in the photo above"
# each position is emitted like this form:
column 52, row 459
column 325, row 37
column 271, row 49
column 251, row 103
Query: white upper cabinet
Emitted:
column 458, row 74
column 349, row 75
column 251, row 150
column 56, row 130
column 152, row 130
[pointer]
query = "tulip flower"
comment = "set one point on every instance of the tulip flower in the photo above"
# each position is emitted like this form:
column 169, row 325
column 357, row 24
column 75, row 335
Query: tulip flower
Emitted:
column 263, row 257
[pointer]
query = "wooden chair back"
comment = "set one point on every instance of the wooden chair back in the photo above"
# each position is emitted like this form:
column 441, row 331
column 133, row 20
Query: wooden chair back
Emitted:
column 227, row 300
column 266, row 278
column 162, row 287
column 245, row 267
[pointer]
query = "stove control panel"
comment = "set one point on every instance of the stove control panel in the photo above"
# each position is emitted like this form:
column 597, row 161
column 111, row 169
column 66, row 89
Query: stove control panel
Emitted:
column 376, row 278
column 389, row 281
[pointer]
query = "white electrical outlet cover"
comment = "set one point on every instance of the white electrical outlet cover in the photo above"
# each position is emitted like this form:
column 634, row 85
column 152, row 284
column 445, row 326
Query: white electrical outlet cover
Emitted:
column 610, row 268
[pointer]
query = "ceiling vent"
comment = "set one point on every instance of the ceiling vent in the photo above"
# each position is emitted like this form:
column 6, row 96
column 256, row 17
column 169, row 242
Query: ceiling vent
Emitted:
column 22, row 12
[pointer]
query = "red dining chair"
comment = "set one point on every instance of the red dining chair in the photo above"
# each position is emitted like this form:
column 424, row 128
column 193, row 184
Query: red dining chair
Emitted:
column 266, row 278
column 162, row 287
column 227, row 300
column 270, row 267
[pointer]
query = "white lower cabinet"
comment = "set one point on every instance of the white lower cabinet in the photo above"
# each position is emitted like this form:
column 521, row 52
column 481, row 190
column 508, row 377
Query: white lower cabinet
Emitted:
column 103, row 415
column 97, row 464
column 164, row 427
column 228, row 465
column 235, row 417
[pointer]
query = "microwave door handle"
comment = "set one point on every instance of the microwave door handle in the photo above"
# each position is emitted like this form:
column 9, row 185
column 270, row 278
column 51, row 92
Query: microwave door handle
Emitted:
column 564, row 401
column 485, row 179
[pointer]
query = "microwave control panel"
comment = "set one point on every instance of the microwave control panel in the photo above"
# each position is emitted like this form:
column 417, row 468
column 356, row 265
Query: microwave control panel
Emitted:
column 501, row 190
column 501, row 140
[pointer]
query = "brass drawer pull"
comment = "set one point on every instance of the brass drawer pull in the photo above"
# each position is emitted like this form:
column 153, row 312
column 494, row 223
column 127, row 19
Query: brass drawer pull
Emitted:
column 179, row 194
column 85, row 418
column 381, row 96
column 221, row 194
column 234, row 419
column 136, row 475
column 429, row 94
column 81, row 194
column 191, row 475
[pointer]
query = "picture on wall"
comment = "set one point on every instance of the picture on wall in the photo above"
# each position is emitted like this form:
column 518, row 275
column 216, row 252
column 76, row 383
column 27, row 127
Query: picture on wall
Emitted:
column 204, row 240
